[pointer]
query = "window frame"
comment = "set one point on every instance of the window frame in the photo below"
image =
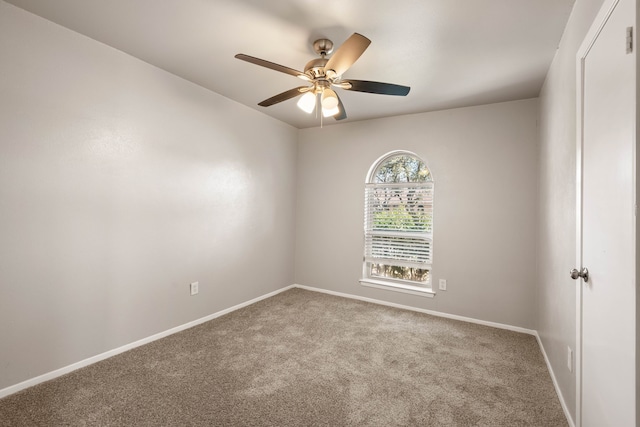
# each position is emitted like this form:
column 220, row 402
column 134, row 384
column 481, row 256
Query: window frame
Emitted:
column 388, row 283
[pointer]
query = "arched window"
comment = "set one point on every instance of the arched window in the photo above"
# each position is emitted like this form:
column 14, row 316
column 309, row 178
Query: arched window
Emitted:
column 398, row 230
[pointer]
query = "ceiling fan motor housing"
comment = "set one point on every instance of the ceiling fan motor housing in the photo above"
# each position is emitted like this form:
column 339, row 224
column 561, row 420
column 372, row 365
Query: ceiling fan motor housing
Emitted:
column 315, row 68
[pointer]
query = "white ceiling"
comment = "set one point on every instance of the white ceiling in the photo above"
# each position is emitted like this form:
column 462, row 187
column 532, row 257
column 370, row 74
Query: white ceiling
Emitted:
column 453, row 53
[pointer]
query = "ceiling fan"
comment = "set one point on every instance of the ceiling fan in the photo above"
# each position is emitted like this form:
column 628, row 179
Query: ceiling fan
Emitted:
column 322, row 74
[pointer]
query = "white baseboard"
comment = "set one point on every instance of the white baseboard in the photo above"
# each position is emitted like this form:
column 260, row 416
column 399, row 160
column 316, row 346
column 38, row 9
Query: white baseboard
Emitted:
column 97, row 358
column 421, row 310
column 565, row 408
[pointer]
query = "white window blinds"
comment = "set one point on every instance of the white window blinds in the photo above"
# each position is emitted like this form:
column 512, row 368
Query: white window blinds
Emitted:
column 398, row 224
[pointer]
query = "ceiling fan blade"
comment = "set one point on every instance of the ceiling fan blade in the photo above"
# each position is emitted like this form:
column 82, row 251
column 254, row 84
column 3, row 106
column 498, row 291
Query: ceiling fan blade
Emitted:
column 346, row 55
column 342, row 114
column 273, row 66
column 291, row 93
column 374, row 87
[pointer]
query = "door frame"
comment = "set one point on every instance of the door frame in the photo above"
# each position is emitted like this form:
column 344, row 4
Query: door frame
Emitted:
column 592, row 34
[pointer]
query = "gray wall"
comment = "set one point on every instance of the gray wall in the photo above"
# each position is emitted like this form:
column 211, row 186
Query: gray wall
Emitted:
column 484, row 163
column 557, row 193
column 119, row 185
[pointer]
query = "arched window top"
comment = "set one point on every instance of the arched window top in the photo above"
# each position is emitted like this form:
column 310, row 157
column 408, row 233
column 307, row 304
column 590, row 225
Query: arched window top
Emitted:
column 399, row 166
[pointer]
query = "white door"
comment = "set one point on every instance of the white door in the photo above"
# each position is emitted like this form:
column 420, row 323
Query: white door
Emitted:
column 607, row 369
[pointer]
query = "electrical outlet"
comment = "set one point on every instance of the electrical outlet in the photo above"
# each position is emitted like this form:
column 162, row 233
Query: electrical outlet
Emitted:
column 194, row 288
column 442, row 284
column 570, row 359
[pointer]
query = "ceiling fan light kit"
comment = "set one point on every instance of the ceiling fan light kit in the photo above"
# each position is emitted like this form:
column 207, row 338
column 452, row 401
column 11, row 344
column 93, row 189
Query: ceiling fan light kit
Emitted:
column 307, row 102
column 324, row 73
column 330, row 112
column 329, row 99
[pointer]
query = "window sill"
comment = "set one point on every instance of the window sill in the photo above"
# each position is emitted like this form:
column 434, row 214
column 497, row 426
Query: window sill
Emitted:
column 397, row 287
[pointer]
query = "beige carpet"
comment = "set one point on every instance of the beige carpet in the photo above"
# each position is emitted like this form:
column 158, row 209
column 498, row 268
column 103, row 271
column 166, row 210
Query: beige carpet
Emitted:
column 303, row 358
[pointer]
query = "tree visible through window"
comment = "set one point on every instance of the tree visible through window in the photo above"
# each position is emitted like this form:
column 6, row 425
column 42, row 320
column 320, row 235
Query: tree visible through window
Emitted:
column 399, row 220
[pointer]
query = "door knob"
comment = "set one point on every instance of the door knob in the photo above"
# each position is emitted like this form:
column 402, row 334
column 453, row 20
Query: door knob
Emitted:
column 584, row 273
